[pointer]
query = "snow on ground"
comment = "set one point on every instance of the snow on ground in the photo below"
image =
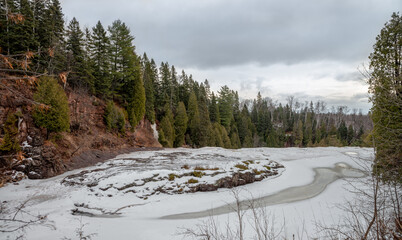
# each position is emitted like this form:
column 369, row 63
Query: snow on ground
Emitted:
column 114, row 214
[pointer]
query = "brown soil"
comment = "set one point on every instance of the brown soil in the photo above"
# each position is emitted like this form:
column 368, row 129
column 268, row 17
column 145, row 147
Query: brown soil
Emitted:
column 87, row 143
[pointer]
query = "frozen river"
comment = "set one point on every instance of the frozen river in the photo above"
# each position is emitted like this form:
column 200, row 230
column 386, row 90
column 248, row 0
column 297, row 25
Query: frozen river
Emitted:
column 134, row 196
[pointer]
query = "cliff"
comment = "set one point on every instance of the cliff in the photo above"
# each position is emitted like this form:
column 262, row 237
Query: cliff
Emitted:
column 87, row 142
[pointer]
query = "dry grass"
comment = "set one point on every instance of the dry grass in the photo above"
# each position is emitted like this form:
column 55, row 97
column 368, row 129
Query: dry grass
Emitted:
column 241, row 166
column 192, row 180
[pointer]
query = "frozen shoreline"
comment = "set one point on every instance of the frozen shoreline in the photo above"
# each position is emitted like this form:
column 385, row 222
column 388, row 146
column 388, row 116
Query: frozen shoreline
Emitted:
column 323, row 177
column 141, row 217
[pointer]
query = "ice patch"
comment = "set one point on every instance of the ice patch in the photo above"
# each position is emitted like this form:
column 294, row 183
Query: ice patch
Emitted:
column 156, row 134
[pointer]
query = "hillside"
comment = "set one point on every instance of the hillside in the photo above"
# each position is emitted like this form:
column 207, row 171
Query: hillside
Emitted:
column 87, row 142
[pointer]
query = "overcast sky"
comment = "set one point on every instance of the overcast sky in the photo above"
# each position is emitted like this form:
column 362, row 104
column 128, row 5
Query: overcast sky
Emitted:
column 311, row 49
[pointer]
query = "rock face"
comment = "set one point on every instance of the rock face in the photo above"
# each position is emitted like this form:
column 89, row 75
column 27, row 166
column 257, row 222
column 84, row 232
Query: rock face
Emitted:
column 87, row 143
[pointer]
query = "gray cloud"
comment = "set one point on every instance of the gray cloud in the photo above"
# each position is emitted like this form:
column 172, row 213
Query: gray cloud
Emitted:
column 213, row 33
column 280, row 48
column 349, row 76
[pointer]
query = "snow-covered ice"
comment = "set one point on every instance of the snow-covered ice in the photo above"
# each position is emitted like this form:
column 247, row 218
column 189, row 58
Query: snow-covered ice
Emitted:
column 93, row 197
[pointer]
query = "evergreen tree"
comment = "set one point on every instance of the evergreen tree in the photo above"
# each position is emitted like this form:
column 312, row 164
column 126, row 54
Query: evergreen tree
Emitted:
column 351, row 134
column 225, row 106
column 10, row 143
column 180, row 124
column 167, row 127
column 99, row 51
column 298, row 133
column 342, row 132
column 138, row 95
column 184, row 88
column 127, row 83
column 75, row 57
column 114, row 117
column 193, row 119
column 385, row 85
column 55, row 117
column 149, row 81
column 218, row 135
column 52, row 38
column 214, row 110
column 204, row 117
column 24, row 32
column 123, row 61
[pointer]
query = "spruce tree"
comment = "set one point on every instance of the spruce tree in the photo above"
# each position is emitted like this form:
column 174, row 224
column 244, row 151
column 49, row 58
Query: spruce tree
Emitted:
column 225, row 106
column 350, row 135
column 99, row 51
column 180, row 124
column 214, row 110
column 298, row 133
column 123, row 61
column 75, row 57
column 149, row 81
column 167, row 127
column 194, row 119
column 52, row 41
column 204, row 117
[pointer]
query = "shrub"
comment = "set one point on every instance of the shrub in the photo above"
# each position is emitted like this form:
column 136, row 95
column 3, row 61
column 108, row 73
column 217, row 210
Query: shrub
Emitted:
column 200, row 168
column 241, row 166
column 114, row 117
column 10, row 141
column 192, row 180
column 197, row 174
column 172, row 176
column 54, row 114
column 267, row 167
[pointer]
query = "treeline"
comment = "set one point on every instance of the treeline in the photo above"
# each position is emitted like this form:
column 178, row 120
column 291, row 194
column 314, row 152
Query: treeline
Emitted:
column 102, row 61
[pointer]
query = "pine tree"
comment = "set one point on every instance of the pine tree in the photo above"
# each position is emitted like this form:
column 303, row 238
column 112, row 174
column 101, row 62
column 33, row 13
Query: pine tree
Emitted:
column 99, row 51
column 180, row 124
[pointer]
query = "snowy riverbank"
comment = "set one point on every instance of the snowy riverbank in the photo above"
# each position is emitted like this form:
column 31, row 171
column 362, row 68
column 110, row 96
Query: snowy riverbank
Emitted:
column 115, row 214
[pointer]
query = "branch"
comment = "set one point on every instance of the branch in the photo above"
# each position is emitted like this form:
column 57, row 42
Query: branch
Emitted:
column 17, row 93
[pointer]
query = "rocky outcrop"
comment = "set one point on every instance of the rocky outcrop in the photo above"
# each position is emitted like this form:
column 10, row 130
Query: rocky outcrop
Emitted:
column 87, row 143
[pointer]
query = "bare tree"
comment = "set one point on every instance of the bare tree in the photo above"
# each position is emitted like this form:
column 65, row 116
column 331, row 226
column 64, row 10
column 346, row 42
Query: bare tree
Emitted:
column 16, row 220
column 263, row 225
column 375, row 213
